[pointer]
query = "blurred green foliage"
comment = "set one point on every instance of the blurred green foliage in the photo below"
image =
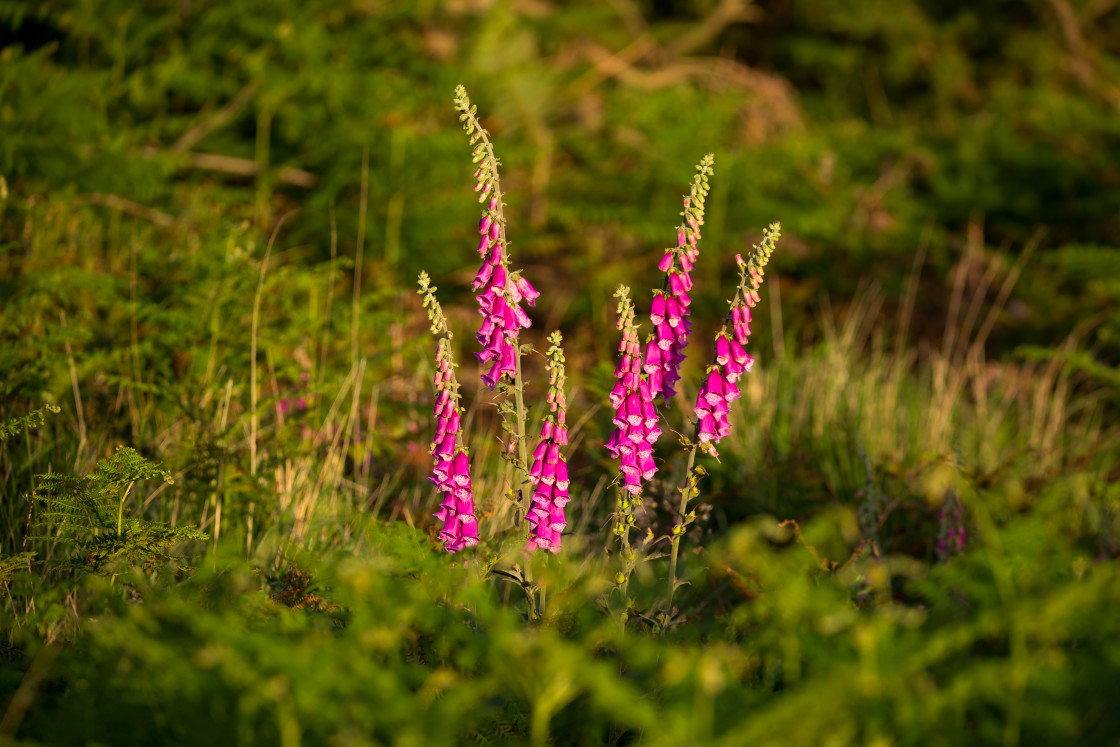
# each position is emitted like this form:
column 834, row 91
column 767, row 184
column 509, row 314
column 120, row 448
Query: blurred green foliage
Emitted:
column 1016, row 643
column 869, row 129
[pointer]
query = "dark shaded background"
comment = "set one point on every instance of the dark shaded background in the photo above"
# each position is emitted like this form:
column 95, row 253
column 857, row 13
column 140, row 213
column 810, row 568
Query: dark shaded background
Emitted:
column 872, row 130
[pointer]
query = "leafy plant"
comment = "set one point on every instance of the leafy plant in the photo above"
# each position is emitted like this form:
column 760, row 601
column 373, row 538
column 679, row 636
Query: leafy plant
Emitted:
column 87, row 513
column 30, row 421
column 12, row 565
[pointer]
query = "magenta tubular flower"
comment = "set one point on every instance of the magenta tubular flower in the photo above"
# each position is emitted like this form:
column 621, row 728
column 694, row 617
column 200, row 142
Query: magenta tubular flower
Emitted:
column 500, row 291
column 549, row 473
column 460, row 529
column 635, row 419
column 721, row 386
column 451, row 470
column 500, row 294
column 670, row 310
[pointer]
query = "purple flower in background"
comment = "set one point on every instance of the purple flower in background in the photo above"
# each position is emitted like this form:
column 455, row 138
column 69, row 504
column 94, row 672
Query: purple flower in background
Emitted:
column 670, row 310
column 287, row 404
column 635, row 419
column 301, row 397
column 549, row 473
column 951, row 534
column 451, row 472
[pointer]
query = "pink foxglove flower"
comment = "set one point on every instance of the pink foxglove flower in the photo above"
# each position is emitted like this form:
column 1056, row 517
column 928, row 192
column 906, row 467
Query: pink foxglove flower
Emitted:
column 500, row 291
column 721, row 386
column 670, row 310
column 451, row 472
column 549, row 473
column 635, row 419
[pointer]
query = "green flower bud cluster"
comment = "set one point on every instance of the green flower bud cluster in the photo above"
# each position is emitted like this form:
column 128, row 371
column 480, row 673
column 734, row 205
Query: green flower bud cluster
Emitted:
column 557, row 378
column 694, row 204
column 752, row 269
column 486, row 175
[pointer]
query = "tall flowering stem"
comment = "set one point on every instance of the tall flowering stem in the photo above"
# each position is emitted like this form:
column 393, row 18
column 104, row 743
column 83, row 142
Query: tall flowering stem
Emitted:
column 451, row 470
column 549, row 473
column 500, row 290
column 635, row 419
column 721, row 385
column 670, row 309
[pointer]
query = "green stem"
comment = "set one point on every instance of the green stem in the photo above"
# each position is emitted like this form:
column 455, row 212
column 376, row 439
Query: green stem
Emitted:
column 678, row 529
column 120, row 508
column 626, row 569
column 531, row 603
column 538, row 727
column 624, row 519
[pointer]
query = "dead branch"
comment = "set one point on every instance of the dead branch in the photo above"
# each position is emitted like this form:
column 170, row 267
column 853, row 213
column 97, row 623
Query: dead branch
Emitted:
column 128, row 207
column 216, row 121
column 1080, row 64
column 725, row 14
column 249, row 167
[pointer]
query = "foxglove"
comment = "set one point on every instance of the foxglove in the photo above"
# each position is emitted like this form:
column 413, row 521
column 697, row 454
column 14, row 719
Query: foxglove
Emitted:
column 635, row 419
column 721, row 386
column 549, row 473
column 670, row 309
column 451, row 472
column 500, row 291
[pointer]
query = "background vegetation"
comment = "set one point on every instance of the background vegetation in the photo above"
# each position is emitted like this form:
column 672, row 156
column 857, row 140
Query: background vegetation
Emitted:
column 211, row 218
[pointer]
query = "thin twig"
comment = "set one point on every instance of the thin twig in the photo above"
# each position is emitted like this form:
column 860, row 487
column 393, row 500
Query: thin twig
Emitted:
column 74, row 385
column 725, row 14
column 249, row 167
column 128, row 207
column 218, row 120
column 1079, row 61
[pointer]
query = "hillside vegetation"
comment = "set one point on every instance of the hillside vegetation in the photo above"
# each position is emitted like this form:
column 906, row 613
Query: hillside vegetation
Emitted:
column 216, row 373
